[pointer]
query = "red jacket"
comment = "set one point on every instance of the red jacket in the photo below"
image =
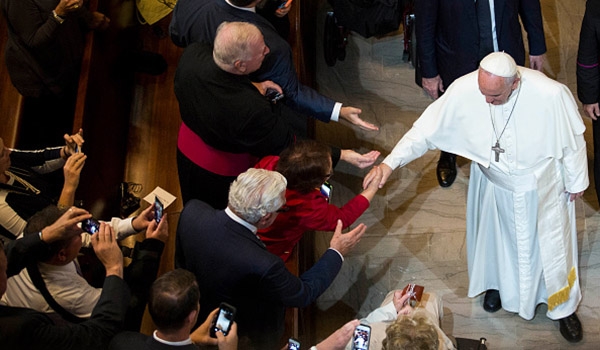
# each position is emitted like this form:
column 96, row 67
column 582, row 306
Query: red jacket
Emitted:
column 309, row 211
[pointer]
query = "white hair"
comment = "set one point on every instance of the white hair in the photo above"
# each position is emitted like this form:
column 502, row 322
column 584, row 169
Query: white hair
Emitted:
column 256, row 193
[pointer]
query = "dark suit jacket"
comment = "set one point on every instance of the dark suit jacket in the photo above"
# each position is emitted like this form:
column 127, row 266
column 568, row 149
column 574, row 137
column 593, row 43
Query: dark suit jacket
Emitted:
column 138, row 341
column 232, row 265
column 28, row 329
column 448, row 34
column 197, row 20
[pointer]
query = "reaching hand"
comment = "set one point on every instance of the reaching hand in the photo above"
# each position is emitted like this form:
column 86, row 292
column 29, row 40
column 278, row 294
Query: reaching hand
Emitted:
column 373, row 175
column 433, row 86
column 351, row 115
column 338, row 339
column 360, row 161
column 107, row 250
column 344, row 242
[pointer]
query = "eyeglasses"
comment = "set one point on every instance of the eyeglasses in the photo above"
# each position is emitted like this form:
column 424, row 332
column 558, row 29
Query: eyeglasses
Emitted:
column 283, row 209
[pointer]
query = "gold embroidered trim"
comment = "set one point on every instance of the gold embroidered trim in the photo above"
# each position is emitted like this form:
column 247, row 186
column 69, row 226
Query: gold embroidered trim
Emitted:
column 563, row 294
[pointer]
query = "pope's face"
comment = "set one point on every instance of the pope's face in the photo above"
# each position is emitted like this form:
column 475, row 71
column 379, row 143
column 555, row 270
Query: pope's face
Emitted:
column 495, row 89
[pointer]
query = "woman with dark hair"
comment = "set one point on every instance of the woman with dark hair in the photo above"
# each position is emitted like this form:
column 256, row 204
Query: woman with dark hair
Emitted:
column 307, row 166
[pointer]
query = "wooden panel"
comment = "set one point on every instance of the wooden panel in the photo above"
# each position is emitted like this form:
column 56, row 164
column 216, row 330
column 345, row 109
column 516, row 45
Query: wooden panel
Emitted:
column 10, row 99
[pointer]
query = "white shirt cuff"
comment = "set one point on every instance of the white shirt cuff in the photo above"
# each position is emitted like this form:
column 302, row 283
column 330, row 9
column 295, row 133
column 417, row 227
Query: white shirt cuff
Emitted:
column 335, row 113
column 340, row 254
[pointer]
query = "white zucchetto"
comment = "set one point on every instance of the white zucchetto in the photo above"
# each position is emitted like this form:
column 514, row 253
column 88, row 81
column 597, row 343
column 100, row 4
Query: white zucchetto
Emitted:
column 499, row 64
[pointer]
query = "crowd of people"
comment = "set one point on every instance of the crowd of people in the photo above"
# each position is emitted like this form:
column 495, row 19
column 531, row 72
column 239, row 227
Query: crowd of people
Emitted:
column 252, row 183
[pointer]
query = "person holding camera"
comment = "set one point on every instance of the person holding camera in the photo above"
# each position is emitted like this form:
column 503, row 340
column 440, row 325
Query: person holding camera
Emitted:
column 28, row 184
column 53, row 283
column 23, row 328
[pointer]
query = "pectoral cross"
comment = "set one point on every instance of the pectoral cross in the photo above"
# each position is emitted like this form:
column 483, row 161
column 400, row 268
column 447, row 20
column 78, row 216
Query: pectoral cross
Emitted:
column 498, row 150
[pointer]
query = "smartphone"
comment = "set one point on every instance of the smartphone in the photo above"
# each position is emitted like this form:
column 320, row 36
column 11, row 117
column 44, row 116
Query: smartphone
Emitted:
column 273, row 95
column 293, row 344
column 158, row 209
column 326, row 188
column 282, row 4
column 90, row 226
column 361, row 338
column 223, row 320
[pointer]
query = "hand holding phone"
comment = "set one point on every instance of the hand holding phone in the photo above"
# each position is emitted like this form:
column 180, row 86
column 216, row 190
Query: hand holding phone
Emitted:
column 361, row 338
column 222, row 320
column 273, row 95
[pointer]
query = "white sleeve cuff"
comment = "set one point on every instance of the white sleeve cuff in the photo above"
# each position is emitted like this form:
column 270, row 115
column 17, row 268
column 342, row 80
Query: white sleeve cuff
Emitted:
column 335, row 113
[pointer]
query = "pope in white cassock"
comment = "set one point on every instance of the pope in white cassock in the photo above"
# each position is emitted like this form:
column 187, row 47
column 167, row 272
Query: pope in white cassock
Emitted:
column 524, row 134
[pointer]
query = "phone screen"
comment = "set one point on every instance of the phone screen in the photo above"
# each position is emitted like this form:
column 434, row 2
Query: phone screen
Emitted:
column 90, row 226
column 293, row 344
column 326, row 188
column 362, row 334
column 158, row 209
column 223, row 320
column 283, row 3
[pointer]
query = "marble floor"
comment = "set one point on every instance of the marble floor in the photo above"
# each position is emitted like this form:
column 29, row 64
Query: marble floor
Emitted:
column 416, row 229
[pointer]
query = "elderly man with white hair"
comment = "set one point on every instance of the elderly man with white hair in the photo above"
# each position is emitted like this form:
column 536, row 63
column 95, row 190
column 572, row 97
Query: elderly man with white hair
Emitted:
column 232, row 265
column 524, row 134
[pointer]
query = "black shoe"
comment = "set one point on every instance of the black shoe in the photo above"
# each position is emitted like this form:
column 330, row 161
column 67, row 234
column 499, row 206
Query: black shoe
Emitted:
column 570, row 328
column 491, row 301
column 446, row 169
column 330, row 39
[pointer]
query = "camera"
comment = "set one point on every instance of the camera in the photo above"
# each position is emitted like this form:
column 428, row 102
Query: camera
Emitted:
column 273, row 95
column 90, row 226
column 222, row 320
column 361, row 338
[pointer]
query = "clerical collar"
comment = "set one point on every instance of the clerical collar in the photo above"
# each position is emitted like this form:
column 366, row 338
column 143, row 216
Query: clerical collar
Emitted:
column 250, row 9
column 241, row 221
column 188, row 341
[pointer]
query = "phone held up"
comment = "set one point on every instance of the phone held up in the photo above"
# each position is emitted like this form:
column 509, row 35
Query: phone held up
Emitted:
column 158, row 209
column 90, row 226
column 222, row 320
column 273, row 95
column 326, row 188
column 293, row 344
column 361, row 338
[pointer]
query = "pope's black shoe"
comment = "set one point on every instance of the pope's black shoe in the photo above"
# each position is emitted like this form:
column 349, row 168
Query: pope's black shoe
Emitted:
column 446, row 169
column 492, row 302
column 570, row 328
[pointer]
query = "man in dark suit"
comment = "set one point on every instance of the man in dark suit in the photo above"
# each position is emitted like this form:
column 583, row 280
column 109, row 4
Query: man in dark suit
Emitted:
column 232, row 265
column 197, row 21
column 22, row 328
column 174, row 303
column 453, row 36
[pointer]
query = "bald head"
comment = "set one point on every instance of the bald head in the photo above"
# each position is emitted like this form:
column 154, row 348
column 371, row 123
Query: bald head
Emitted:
column 239, row 47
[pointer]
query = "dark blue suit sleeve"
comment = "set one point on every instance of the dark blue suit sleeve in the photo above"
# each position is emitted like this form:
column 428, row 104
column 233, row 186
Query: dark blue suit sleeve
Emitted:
column 531, row 16
column 426, row 13
column 301, row 291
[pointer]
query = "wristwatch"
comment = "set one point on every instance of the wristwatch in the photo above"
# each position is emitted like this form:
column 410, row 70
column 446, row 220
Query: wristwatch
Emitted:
column 58, row 18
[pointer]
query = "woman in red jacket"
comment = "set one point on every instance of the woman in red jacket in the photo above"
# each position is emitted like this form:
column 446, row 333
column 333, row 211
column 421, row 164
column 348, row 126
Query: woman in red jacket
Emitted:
column 307, row 166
